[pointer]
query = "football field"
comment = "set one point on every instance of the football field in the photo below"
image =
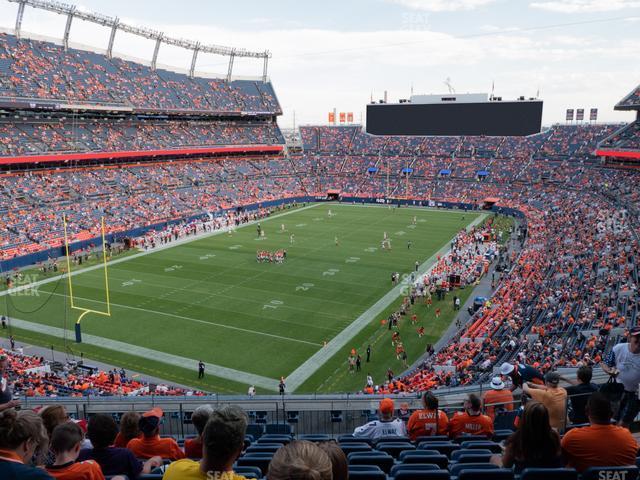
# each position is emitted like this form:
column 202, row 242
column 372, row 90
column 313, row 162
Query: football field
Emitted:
column 209, row 299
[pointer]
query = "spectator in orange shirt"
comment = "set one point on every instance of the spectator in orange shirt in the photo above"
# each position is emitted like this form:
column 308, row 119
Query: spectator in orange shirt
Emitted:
column 600, row 444
column 128, row 429
column 193, row 446
column 429, row 421
column 552, row 396
column 65, row 445
column 471, row 421
column 497, row 399
column 151, row 445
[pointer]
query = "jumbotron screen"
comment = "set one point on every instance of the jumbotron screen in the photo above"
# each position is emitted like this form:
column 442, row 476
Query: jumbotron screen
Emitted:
column 517, row 118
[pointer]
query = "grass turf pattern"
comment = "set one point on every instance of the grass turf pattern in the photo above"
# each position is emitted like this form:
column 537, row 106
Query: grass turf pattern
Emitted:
column 209, row 299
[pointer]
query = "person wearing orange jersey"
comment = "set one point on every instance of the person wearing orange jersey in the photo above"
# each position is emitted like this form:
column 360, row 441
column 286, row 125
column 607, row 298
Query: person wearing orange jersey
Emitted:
column 498, row 398
column 471, row 421
column 151, row 445
column 428, row 421
column 65, row 444
column 600, row 444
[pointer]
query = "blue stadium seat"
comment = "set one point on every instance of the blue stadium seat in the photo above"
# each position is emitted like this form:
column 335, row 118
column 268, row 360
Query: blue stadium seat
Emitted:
column 413, row 466
column 611, row 473
column 475, row 458
column 278, row 429
column 336, row 416
column 261, row 417
column 315, row 437
column 264, row 448
column 348, row 437
column 260, row 460
column 394, row 448
column 467, row 451
column 483, row 444
column 417, row 452
column 441, row 460
column 502, row 434
column 391, row 438
column 255, row 430
column 456, row 468
column 486, row 474
column 468, row 437
column 422, row 475
column 247, row 470
column 274, row 438
column 432, row 438
column 504, row 420
column 384, row 461
column 549, row 474
column 373, row 475
column 293, row 416
column 445, row 448
column 364, row 468
column 347, row 448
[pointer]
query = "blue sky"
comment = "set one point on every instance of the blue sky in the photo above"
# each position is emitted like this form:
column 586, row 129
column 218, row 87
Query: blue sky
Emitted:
column 338, row 53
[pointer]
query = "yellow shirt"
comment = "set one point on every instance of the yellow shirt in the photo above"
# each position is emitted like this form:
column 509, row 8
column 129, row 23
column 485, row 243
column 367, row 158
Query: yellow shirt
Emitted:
column 190, row 470
column 555, row 399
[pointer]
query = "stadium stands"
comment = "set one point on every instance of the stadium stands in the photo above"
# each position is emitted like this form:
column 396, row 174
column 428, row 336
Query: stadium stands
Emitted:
column 33, row 69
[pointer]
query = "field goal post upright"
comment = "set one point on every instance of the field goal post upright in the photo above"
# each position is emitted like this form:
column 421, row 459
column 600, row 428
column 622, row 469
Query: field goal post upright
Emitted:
column 84, row 311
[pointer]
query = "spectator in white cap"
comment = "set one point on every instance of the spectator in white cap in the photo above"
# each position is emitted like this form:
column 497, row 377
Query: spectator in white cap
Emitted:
column 498, row 399
column 623, row 363
column 521, row 374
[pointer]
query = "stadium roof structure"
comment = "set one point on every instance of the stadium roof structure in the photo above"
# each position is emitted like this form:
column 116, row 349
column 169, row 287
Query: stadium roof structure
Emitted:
column 631, row 101
column 71, row 11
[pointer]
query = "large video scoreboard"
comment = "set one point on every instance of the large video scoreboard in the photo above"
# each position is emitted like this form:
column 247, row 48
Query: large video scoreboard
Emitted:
column 491, row 118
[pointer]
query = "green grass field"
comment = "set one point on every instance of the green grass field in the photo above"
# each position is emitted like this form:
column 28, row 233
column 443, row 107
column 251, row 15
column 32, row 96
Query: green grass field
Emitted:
column 209, row 299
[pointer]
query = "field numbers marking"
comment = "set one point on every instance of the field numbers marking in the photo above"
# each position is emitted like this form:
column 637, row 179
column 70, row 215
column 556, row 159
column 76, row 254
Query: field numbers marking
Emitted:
column 173, row 268
column 131, row 282
column 400, row 233
column 412, row 227
column 352, row 260
column 318, row 219
column 331, row 272
column 235, row 247
column 304, row 287
column 273, row 304
column 370, row 250
column 207, row 256
column 300, row 225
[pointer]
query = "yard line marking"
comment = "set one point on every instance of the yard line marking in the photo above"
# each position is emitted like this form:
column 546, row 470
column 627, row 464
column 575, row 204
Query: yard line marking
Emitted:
column 318, row 359
column 162, row 357
column 204, row 322
column 176, row 243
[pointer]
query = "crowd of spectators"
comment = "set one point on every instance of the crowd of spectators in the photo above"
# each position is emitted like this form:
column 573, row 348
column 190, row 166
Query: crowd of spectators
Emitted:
column 46, row 443
column 40, row 70
column 34, row 376
column 68, row 135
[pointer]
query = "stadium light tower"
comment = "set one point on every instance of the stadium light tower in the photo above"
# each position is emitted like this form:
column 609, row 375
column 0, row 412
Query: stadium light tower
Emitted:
column 70, row 11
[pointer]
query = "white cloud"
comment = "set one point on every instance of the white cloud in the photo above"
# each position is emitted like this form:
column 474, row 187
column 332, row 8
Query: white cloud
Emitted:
column 585, row 6
column 315, row 70
column 443, row 5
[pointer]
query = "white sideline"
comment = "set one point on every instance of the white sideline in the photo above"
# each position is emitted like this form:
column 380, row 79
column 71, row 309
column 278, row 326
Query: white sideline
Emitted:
column 167, row 358
column 318, row 359
column 146, row 252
